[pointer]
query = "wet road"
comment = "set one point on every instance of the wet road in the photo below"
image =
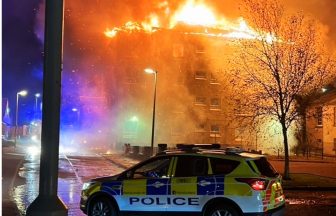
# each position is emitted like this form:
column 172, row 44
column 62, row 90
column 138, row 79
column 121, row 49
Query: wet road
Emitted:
column 310, row 203
column 73, row 170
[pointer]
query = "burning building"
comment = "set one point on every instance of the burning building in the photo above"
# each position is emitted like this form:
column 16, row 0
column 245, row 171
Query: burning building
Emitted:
column 188, row 43
column 193, row 94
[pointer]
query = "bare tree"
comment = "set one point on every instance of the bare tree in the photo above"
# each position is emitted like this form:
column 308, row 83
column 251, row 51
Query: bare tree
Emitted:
column 285, row 59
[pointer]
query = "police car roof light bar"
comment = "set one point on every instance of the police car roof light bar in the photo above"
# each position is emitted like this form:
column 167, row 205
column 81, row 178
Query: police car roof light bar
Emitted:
column 199, row 146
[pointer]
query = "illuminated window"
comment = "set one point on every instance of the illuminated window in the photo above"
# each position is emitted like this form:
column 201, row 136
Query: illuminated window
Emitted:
column 200, row 101
column 319, row 115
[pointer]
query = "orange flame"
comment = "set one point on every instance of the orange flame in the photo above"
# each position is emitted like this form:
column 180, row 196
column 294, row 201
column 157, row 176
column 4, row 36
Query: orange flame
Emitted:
column 194, row 13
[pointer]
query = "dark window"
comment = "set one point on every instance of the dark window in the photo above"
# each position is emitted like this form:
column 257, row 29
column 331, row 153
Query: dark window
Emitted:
column 157, row 168
column 222, row 166
column 215, row 103
column 265, row 168
column 334, row 116
column 251, row 167
column 319, row 116
column 188, row 166
column 200, row 100
column 214, row 129
column 200, row 74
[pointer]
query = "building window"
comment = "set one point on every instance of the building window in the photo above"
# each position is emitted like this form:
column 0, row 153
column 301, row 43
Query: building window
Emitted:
column 213, row 79
column 200, row 101
column 199, row 49
column 215, row 104
column 215, row 132
column 200, row 74
column 334, row 116
column 214, row 128
column 200, row 127
column 319, row 116
column 131, row 76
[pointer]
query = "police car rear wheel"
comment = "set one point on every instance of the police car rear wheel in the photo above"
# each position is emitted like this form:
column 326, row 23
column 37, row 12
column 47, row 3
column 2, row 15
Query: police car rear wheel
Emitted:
column 222, row 211
column 102, row 207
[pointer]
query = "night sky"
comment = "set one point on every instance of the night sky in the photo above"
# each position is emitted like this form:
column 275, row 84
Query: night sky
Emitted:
column 22, row 51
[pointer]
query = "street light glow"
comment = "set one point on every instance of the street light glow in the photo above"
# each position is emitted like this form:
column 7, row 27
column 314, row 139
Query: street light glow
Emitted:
column 23, row 93
column 134, row 119
column 37, row 95
column 150, row 71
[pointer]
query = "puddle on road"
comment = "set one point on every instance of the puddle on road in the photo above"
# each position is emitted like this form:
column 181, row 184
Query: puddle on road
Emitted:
column 301, row 202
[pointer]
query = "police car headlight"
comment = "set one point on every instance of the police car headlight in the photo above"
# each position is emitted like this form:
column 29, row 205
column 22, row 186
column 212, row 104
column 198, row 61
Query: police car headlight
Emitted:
column 86, row 185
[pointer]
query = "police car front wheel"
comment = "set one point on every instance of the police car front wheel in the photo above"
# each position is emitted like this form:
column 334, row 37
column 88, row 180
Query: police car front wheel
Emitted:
column 222, row 210
column 102, row 207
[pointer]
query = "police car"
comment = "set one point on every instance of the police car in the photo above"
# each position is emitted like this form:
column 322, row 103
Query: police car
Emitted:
column 192, row 180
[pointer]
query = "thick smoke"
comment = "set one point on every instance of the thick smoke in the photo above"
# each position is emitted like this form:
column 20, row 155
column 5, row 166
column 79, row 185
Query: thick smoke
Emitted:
column 87, row 52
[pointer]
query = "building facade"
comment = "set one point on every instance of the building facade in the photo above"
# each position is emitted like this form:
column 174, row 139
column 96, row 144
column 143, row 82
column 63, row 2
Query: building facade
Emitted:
column 321, row 124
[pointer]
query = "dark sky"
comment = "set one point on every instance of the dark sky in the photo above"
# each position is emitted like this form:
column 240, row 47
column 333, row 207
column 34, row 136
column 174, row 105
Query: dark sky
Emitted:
column 21, row 50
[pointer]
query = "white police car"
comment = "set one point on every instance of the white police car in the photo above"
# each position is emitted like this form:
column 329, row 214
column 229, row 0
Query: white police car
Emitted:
column 204, row 182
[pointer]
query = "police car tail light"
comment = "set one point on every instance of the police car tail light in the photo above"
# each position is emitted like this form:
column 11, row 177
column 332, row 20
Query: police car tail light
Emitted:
column 255, row 183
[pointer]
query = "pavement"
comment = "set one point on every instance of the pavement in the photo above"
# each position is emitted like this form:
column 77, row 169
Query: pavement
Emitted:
column 70, row 183
column 9, row 176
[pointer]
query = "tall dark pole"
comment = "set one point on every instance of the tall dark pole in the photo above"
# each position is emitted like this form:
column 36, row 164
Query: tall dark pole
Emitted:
column 48, row 203
column 153, row 123
column 151, row 71
column 23, row 93
column 16, row 118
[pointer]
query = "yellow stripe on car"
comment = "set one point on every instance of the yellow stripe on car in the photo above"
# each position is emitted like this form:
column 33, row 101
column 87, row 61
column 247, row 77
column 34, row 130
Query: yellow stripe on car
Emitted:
column 232, row 187
column 184, row 186
column 135, row 187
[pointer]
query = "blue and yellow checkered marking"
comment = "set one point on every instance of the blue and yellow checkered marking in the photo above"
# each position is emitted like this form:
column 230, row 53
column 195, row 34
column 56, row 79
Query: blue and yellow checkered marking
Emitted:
column 158, row 187
column 206, row 186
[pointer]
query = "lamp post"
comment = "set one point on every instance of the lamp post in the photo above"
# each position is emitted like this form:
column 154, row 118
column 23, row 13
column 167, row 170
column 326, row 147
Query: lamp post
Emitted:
column 37, row 95
column 151, row 71
column 22, row 93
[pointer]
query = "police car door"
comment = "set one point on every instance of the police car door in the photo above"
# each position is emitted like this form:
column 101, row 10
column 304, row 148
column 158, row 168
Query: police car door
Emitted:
column 146, row 187
column 190, row 183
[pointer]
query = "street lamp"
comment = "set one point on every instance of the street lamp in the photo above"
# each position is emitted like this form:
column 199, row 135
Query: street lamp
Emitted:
column 151, row 71
column 37, row 95
column 22, row 93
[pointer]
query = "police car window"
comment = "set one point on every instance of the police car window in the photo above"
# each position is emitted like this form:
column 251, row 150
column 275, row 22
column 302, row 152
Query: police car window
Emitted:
column 191, row 166
column 265, row 167
column 154, row 169
column 222, row 166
